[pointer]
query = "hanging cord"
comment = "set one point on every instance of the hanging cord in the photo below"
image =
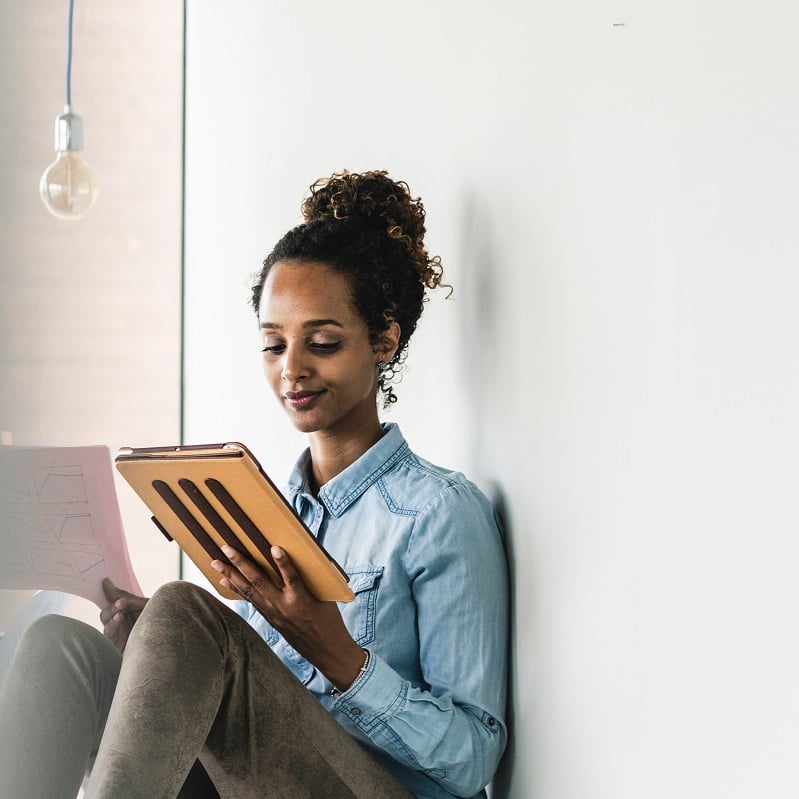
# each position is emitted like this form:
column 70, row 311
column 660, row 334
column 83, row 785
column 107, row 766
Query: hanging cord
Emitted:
column 69, row 54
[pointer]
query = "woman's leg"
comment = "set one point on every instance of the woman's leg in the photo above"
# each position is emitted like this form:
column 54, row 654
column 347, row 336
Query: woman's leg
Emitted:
column 198, row 680
column 53, row 707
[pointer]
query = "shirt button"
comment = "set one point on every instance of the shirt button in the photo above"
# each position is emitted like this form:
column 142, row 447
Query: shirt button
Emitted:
column 356, row 711
column 491, row 722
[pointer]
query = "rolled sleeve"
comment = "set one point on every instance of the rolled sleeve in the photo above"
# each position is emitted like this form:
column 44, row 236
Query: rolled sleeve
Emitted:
column 456, row 746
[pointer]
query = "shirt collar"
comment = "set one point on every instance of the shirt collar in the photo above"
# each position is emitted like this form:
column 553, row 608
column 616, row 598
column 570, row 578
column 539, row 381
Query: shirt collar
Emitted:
column 340, row 492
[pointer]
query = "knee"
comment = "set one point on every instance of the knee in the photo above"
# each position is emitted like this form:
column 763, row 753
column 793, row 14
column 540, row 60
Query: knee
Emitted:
column 53, row 633
column 180, row 601
column 177, row 614
column 53, row 647
column 179, row 593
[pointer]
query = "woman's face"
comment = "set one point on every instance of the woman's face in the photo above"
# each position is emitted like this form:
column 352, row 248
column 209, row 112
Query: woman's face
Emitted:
column 317, row 356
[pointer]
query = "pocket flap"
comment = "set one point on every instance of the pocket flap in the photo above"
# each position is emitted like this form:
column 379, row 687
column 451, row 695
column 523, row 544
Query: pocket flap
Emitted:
column 363, row 578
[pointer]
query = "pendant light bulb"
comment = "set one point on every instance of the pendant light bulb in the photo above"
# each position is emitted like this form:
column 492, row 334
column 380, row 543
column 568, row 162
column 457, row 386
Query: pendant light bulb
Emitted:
column 68, row 188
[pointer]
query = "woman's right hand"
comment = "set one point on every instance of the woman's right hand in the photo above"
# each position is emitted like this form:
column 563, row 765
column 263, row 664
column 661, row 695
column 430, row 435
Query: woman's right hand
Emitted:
column 121, row 613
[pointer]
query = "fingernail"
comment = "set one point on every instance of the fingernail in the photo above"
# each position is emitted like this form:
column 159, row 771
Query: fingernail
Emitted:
column 229, row 551
column 277, row 553
column 215, row 564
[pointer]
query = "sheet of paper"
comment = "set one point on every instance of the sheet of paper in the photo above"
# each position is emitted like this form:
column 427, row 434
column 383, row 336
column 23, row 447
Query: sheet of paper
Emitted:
column 60, row 525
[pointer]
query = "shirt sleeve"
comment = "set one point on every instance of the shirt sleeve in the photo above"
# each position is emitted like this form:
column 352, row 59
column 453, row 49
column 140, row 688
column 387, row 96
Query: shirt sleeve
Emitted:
column 452, row 727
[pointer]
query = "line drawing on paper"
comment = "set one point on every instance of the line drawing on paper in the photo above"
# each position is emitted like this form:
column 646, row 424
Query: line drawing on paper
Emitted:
column 51, row 533
column 56, row 486
column 50, row 544
column 60, row 525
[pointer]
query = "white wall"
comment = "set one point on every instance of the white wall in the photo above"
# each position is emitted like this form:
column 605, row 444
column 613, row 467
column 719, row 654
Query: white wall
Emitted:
column 613, row 188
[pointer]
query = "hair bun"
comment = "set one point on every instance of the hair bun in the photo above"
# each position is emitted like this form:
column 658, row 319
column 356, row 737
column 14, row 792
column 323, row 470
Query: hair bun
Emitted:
column 371, row 199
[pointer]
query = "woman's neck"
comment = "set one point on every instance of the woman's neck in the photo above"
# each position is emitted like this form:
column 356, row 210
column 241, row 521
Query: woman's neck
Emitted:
column 332, row 454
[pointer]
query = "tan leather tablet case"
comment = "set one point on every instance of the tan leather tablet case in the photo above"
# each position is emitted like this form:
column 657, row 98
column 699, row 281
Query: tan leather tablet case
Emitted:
column 206, row 496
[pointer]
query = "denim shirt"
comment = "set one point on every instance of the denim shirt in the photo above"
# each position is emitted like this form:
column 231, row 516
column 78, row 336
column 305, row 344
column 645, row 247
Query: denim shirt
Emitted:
column 424, row 554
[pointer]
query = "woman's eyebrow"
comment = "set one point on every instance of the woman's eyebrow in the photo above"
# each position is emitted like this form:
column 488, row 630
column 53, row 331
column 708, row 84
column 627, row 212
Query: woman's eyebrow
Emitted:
column 308, row 324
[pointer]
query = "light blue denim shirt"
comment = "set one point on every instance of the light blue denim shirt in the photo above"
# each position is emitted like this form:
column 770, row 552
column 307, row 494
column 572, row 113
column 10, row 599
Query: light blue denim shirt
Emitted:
column 424, row 554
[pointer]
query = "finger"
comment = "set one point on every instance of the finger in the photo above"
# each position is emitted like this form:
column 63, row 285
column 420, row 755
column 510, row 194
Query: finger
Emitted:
column 112, row 625
column 110, row 589
column 113, row 591
column 130, row 605
column 286, row 568
column 117, row 630
column 110, row 586
column 225, row 570
column 260, row 580
column 243, row 588
column 108, row 613
column 233, row 580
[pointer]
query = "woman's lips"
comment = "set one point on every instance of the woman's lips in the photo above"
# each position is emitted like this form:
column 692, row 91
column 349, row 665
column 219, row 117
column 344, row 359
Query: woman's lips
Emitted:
column 301, row 400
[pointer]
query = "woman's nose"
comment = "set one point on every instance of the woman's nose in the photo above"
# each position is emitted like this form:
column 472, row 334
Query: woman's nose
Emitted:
column 294, row 366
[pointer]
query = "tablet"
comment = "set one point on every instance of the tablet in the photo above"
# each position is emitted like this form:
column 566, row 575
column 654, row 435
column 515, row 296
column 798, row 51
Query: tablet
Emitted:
column 209, row 495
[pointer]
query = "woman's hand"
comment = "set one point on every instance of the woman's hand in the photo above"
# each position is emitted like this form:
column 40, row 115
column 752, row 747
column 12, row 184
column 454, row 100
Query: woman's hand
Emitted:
column 315, row 629
column 121, row 613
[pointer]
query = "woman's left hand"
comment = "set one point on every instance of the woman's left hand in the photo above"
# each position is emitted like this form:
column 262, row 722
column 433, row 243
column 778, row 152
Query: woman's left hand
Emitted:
column 315, row 629
column 121, row 613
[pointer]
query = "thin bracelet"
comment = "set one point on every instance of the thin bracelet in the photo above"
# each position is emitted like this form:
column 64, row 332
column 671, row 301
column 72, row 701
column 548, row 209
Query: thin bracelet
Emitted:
column 367, row 656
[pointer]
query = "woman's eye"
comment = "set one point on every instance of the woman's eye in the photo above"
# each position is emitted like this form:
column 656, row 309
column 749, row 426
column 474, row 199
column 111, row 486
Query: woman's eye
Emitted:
column 274, row 349
column 325, row 346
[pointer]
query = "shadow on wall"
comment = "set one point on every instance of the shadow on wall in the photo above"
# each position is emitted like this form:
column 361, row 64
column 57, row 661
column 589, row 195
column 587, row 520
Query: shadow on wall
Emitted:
column 500, row 788
column 478, row 317
column 477, row 298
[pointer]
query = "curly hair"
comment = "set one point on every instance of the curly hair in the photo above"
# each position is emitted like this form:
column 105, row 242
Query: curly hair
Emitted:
column 369, row 228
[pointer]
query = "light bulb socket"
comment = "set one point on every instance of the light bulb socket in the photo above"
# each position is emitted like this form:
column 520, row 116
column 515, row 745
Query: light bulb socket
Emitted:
column 68, row 131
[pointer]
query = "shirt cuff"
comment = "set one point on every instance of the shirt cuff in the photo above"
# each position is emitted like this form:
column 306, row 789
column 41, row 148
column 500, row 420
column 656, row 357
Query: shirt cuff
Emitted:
column 375, row 696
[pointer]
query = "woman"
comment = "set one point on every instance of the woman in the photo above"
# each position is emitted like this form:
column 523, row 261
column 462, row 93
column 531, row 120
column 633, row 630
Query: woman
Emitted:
column 399, row 693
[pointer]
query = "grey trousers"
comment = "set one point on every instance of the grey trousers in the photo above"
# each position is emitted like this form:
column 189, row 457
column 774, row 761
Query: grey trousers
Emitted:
column 196, row 682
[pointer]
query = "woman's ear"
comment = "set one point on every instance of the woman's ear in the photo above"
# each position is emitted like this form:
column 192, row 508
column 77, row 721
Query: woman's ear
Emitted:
column 386, row 347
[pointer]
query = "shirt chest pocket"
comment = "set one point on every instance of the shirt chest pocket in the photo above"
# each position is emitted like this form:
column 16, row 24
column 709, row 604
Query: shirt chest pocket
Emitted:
column 360, row 614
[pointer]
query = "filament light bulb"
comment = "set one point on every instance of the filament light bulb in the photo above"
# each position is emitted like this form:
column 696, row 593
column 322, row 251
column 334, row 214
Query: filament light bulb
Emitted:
column 68, row 188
